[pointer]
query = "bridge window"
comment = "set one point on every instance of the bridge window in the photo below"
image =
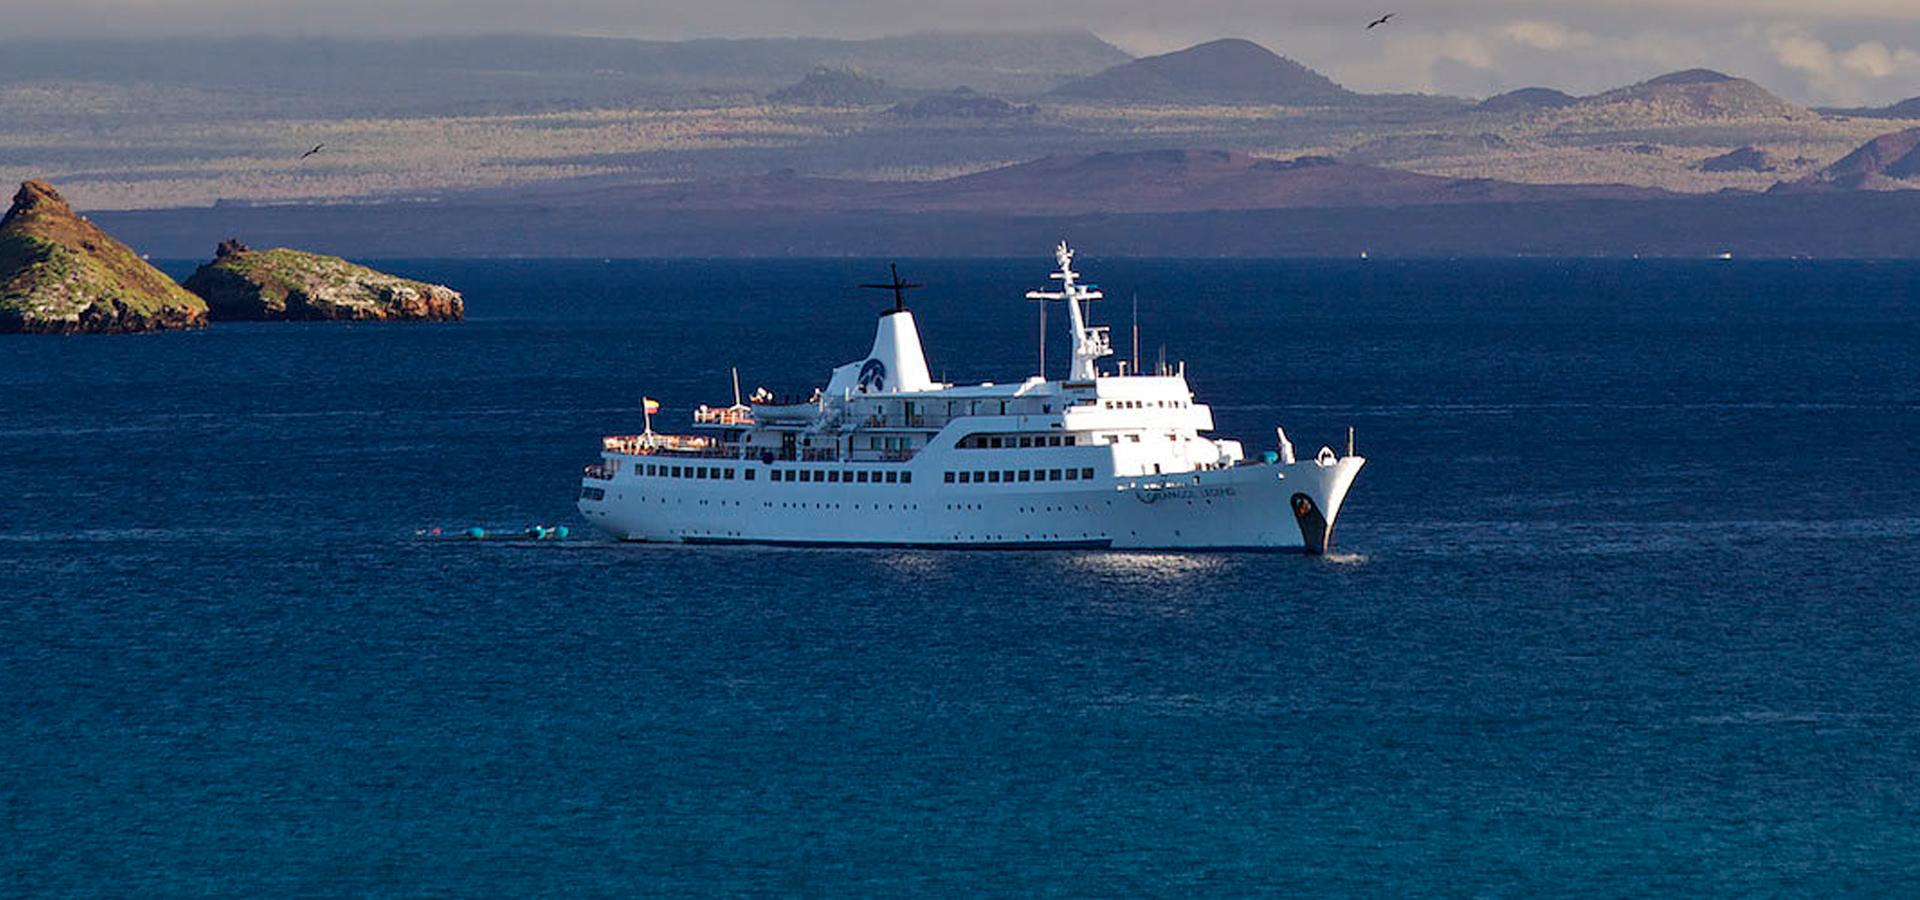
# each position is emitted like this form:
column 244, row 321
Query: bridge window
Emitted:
column 1087, row 473
column 949, row 478
column 747, row 474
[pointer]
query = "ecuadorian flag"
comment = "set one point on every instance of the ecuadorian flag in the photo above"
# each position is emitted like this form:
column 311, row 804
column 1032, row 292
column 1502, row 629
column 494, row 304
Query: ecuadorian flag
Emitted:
column 650, row 405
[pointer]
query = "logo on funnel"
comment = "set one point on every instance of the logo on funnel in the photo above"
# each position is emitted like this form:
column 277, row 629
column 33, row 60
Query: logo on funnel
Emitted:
column 873, row 376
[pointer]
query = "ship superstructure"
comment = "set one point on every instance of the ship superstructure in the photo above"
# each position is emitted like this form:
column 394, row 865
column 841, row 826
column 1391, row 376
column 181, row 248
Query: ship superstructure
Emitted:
column 883, row 455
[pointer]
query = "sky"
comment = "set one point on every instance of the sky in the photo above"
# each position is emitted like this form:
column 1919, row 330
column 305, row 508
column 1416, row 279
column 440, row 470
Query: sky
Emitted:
column 1813, row 51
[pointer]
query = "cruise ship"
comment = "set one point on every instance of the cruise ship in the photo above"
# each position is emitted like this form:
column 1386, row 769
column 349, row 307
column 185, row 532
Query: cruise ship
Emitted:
column 884, row 456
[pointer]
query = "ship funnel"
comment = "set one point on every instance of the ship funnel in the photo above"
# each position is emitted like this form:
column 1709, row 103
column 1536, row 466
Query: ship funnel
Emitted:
column 895, row 364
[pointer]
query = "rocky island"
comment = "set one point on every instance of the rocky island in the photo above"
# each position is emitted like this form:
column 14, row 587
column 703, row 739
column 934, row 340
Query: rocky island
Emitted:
column 244, row 284
column 60, row 274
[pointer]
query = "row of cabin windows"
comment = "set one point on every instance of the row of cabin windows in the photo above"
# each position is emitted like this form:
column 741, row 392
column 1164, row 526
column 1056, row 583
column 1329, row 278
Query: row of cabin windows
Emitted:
column 716, row 473
column 1004, row 476
column 1009, row 441
column 835, row 476
column 1144, row 404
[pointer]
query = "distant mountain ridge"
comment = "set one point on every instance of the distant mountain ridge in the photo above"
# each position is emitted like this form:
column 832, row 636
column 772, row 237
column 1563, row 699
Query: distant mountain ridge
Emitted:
column 1229, row 70
column 1686, row 95
column 1145, row 181
column 1527, row 99
column 1888, row 162
column 836, row 86
column 1697, row 94
column 510, row 72
column 1905, row 109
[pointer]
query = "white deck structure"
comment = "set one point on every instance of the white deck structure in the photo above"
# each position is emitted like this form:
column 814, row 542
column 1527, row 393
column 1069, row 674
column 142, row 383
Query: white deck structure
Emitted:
column 886, row 456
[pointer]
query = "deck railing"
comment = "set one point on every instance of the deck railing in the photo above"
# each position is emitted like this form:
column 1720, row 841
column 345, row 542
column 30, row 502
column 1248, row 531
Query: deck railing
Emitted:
column 728, row 415
column 701, row 447
column 642, row 444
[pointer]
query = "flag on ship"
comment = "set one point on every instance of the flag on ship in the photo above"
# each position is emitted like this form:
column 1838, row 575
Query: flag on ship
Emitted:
column 650, row 405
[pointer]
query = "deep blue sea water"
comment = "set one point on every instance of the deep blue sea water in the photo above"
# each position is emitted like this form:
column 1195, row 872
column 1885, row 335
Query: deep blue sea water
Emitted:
column 1626, row 602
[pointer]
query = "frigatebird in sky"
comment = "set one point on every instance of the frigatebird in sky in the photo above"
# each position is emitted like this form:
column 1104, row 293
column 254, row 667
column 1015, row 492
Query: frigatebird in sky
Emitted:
column 316, row 149
column 1380, row 21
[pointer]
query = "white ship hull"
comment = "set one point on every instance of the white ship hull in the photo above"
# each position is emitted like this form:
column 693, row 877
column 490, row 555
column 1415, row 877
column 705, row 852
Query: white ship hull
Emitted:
column 1248, row 507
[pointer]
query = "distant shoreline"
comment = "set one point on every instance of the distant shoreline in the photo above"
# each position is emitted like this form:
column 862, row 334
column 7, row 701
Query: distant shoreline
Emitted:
column 1849, row 225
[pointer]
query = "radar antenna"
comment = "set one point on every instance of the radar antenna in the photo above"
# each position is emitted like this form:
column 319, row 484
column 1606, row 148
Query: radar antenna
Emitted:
column 897, row 286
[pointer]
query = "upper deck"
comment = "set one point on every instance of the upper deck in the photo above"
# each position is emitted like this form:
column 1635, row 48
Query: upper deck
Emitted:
column 885, row 407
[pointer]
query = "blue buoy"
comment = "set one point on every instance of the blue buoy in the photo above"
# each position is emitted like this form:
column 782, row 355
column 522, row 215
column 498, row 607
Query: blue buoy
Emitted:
column 476, row 532
column 1270, row 457
column 560, row 532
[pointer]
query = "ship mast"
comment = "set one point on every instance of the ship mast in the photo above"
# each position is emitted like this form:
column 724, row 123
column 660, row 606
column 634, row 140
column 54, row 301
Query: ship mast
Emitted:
column 1089, row 342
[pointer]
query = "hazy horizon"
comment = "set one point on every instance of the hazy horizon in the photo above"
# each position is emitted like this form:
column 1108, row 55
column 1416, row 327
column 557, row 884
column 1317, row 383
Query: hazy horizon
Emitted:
column 1841, row 53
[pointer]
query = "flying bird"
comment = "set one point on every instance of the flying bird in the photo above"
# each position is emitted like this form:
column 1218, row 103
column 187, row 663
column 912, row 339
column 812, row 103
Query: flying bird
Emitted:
column 316, row 149
column 1380, row 21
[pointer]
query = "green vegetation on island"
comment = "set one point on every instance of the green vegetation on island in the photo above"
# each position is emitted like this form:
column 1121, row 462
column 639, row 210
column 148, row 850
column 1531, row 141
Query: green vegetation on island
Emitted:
column 244, row 284
column 61, row 274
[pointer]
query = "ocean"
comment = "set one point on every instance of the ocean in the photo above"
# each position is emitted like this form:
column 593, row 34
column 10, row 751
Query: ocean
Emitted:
column 1627, row 601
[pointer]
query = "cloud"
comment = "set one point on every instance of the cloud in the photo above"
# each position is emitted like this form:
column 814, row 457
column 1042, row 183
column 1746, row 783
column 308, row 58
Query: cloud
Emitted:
column 1446, row 61
column 1544, row 35
column 1798, row 51
column 1873, row 59
column 1853, row 75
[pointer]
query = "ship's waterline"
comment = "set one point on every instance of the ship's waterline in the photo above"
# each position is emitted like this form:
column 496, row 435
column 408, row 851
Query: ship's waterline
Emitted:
column 886, row 456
